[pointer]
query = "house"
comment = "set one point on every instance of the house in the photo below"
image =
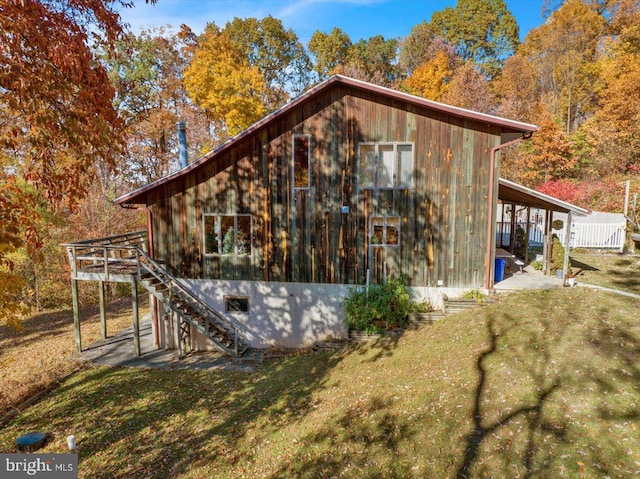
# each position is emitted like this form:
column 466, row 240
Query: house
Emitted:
column 345, row 185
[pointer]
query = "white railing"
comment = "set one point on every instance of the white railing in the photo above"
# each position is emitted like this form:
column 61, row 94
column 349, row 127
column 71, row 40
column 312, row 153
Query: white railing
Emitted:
column 596, row 235
column 583, row 235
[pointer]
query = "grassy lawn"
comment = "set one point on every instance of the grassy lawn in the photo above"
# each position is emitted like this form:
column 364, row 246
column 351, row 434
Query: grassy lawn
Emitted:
column 610, row 270
column 542, row 384
column 37, row 357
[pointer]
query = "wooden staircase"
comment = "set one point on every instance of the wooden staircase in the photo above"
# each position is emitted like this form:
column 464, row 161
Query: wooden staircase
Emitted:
column 191, row 311
column 119, row 257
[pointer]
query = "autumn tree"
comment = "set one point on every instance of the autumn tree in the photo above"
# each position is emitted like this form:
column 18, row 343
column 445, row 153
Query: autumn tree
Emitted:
column 373, row 60
column 518, row 90
column 484, row 31
column 150, row 96
column 562, row 53
column 614, row 130
column 222, row 82
column 415, row 48
column 277, row 53
column 470, row 89
column 56, row 118
column 430, row 79
column 546, row 157
column 329, row 51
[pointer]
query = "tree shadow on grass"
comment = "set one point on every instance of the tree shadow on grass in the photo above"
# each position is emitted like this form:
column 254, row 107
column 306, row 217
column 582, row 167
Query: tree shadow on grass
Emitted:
column 50, row 324
column 364, row 441
column 555, row 394
column 159, row 423
column 531, row 411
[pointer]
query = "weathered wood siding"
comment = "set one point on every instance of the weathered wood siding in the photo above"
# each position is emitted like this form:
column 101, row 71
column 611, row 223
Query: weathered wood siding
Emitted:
column 302, row 234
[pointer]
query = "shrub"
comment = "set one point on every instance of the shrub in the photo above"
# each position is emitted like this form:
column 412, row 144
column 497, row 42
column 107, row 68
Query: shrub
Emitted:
column 537, row 265
column 474, row 294
column 388, row 303
column 557, row 255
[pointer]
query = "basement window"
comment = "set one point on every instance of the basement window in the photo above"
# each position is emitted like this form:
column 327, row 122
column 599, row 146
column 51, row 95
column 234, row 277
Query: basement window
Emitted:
column 229, row 235
column 236, row 304
column 385, row 165
column 301, row 156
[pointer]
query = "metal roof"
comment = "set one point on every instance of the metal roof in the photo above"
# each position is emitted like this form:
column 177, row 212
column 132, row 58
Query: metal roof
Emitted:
column 510, row 126
column 510, row 192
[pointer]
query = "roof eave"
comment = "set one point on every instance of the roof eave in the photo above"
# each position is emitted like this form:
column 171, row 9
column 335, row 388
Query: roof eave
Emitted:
column 560, row 205
column 136, row 197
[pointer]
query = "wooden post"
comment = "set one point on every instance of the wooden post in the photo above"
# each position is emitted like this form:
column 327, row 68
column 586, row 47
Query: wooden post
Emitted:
column 76, row 314
column 176, row 332
column 544, row 243
column 103, row 311
column 153, row 301
column 512, row 229
column 136, row 319
column 526, row 239
column 626, row 197
column 567, row 236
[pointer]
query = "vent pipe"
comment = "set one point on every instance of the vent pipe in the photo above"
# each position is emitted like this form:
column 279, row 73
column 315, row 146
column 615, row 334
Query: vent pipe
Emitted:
column 182, row 144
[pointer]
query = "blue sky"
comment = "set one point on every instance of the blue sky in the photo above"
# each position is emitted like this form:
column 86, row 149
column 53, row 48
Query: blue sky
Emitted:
column 358, row 18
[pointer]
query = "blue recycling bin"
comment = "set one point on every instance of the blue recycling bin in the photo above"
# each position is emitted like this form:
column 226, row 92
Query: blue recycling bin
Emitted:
column 499, row 271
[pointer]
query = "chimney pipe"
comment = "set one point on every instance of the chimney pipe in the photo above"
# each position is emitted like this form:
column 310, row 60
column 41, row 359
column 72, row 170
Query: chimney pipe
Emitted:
column 182, row 144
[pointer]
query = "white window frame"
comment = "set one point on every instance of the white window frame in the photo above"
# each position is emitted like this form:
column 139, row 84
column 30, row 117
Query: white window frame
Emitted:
column 293, row 161
column 220, row 234
column 398, row 171
column 382, row 220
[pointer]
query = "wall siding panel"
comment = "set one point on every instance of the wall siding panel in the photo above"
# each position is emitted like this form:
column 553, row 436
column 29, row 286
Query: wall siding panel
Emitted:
column 303, row 235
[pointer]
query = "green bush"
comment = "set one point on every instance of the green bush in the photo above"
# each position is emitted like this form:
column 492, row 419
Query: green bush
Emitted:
column 557, row 255
column 537, row 265
column 387, row 303
column 474, row 294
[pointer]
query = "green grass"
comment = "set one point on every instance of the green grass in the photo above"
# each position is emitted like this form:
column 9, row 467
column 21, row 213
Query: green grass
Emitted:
column 610, row 270
column 542, row 384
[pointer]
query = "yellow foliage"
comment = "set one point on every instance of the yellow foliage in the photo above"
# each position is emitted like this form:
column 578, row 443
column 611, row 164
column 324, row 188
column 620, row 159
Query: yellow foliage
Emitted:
column 221, row 81
column 429, row 80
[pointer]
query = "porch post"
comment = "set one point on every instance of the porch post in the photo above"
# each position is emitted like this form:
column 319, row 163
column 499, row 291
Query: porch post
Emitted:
column 546, row 248
column 76, row 314
column 136, row 319
column 526, row 239
column 567, row 236
column 103, row 311
column 512, row 233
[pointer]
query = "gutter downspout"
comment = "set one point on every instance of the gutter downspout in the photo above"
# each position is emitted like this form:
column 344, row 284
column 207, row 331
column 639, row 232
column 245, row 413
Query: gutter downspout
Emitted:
column 490, row 226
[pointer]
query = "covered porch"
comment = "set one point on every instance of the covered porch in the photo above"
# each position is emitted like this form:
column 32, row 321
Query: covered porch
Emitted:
column 519, row 200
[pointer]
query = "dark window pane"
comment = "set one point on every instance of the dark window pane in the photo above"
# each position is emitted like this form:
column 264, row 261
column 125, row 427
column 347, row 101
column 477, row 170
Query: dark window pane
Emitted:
column 243, row 235
column 236, row 304
column 367, row 165
column 210, row 235
column 301, row 162
column 227, row 226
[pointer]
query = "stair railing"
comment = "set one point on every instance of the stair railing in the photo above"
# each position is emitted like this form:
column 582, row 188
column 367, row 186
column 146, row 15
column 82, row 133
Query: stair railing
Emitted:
column 128, row 249
column 147, row 264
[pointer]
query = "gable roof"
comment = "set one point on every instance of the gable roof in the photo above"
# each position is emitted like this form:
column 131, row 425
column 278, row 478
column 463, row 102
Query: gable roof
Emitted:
column 511, row 192
column 510, row 126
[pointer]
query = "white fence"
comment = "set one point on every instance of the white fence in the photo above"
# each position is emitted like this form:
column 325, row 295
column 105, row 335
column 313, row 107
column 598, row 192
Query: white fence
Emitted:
column 583, row 235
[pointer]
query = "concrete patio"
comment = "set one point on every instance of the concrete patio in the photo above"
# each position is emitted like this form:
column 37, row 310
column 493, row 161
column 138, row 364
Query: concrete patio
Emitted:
column 529, row 278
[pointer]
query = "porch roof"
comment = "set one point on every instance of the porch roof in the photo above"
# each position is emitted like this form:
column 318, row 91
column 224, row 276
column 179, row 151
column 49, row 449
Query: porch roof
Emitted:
column 510, row 192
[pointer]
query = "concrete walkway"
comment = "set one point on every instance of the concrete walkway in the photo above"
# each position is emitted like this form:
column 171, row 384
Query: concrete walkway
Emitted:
column 609, row 290
column 529, row 278
column 117, row 350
